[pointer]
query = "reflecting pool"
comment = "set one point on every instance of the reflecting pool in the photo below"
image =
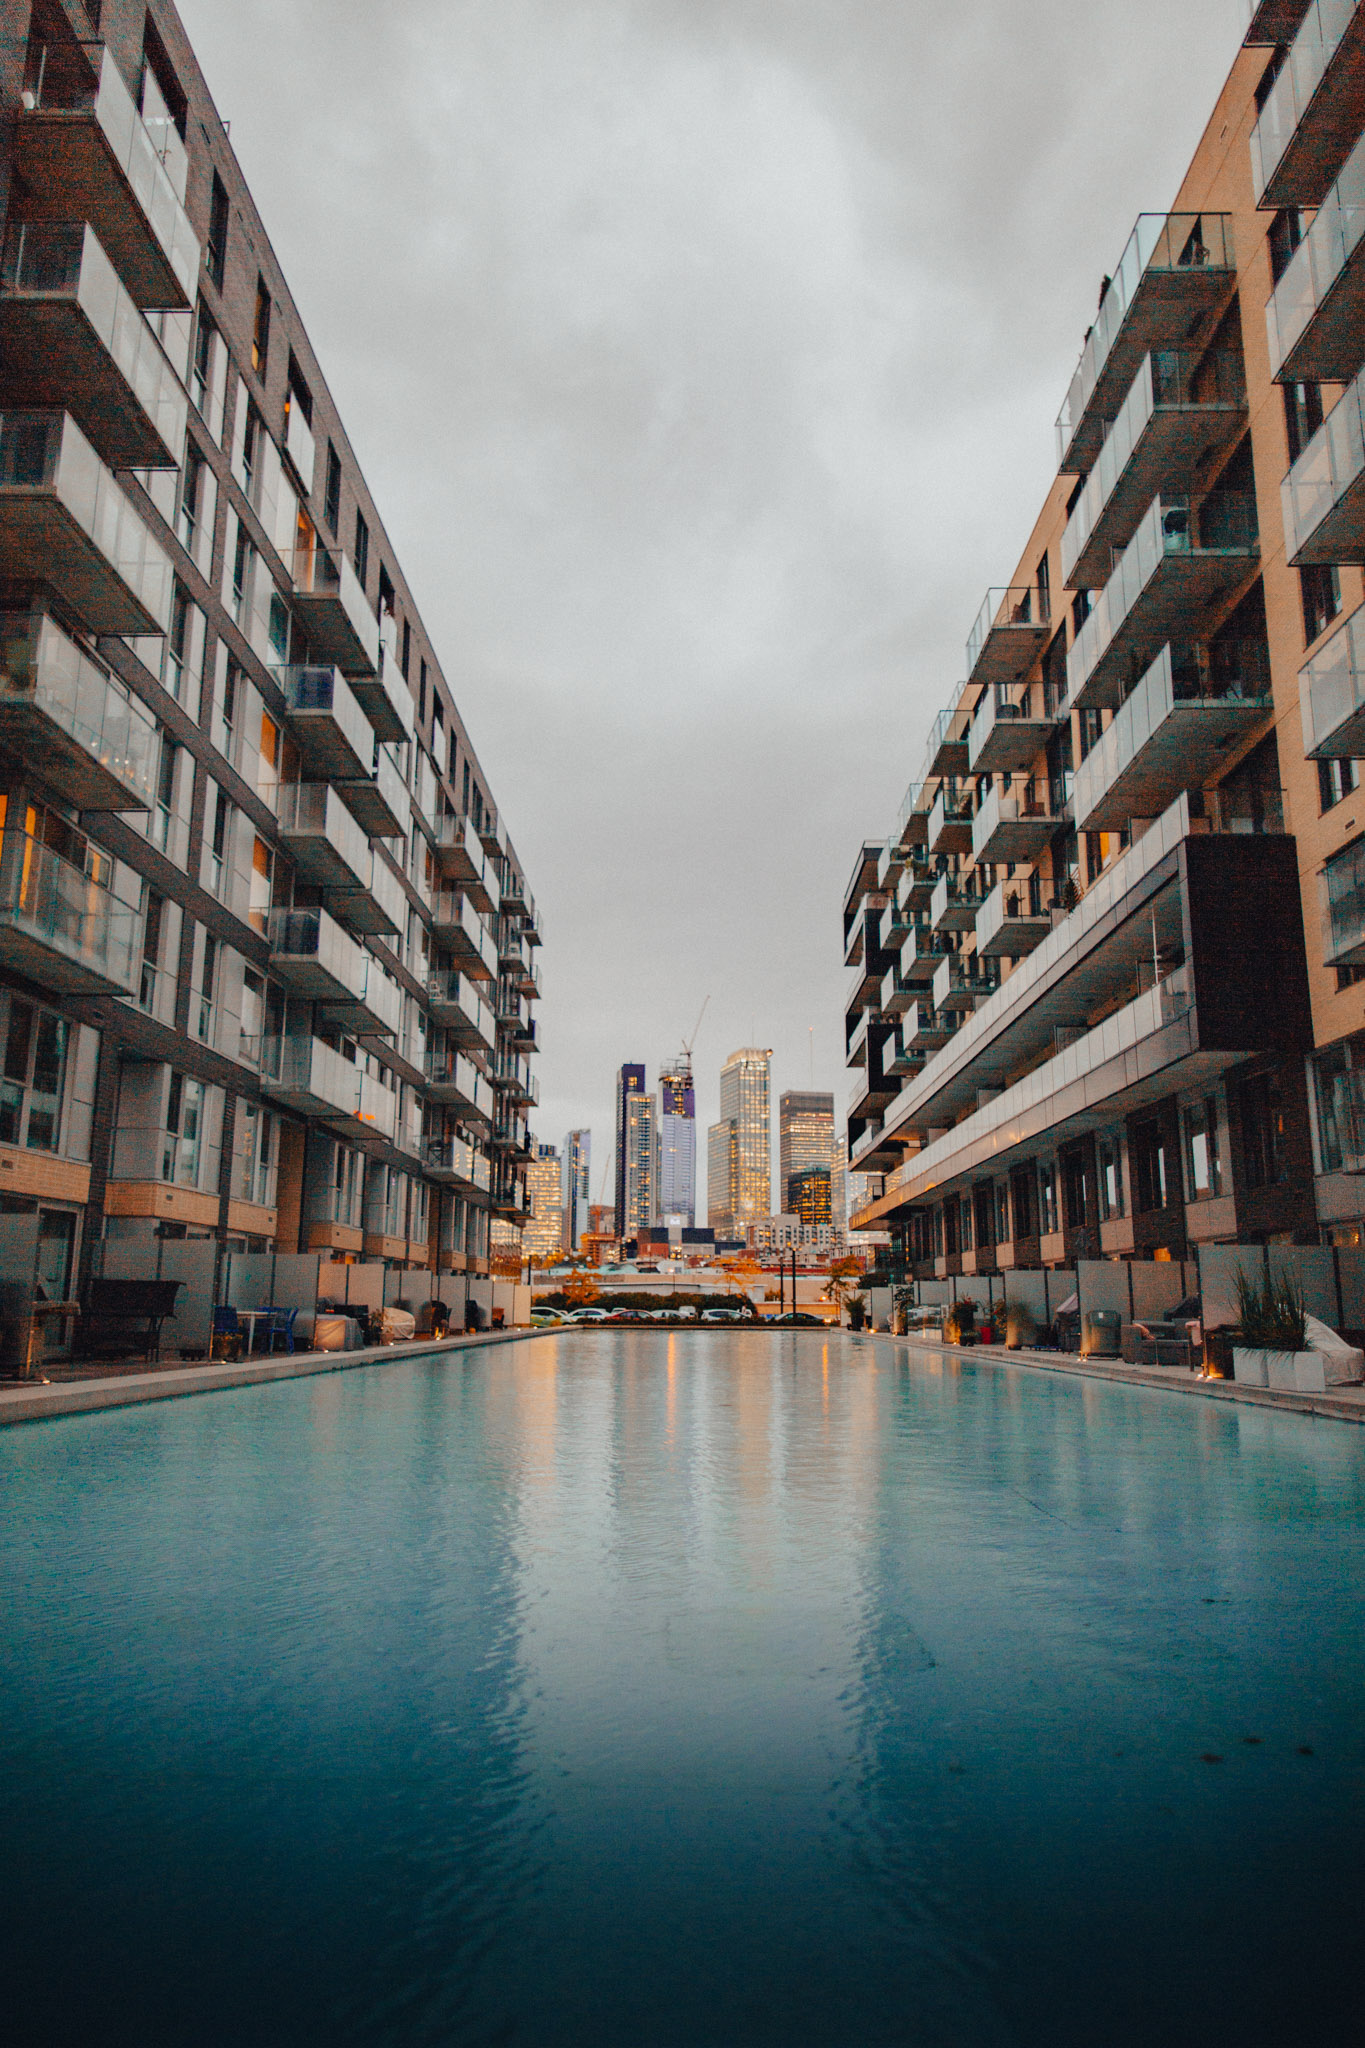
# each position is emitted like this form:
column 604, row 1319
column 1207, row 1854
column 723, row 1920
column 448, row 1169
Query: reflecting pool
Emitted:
column 679, row 1690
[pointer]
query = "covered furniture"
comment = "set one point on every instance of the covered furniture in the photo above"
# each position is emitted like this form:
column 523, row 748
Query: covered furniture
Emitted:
column 126, row 1315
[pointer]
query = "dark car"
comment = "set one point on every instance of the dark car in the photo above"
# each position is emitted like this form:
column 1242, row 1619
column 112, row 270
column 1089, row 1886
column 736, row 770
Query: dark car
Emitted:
column 797, row 1321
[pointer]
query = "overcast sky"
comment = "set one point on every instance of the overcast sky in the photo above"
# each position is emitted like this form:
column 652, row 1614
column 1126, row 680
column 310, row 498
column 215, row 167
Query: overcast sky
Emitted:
column 703, row 357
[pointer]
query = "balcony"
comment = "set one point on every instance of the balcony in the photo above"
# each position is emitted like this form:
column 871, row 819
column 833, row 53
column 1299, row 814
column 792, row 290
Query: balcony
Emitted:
column 457, row 850
column 912, row 825
column 1274, row 22
column 945, row 752
column 920, row 956
column 864, row 989
column 377, row 906
column 1332, row 695
column 855, row 1052
column 308, row 1075
column 953, row 906
column 386, row 698
column 528, row 981
column 375, row 1007
column 1010, row 633
column 1011, row 922
column 1311, row 119
column 1179, row 408
column 61, row 711
column 70, row 336
column 310, row 955
column 61, row 928
column 897, row 996
column 322, row 838
column 336, row 614
column 455, row 926
column 1176, row 270
column 511, row 950
column 1004, row 738
column 924, row 1030
column 455, row 1162
column 1343, row 898
column 85, row 153
column 1323, row 496
column 1316, row 314
column 460, row 1010
column 960, row 985
column 65, row 523
column 456, row 1081
column 512, row 892
column 864, row 877
column 915, row 892
column 1172, row 733
column 1012, row 825
column 1178, row 564
column 950, row 822
column 532, row 926
column 379, row 803
column 905, row 1059
column 333, row 733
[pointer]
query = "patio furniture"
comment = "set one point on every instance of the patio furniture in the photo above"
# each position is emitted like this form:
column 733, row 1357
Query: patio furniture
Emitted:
column 227, row 1339
column 282, row 1322
column 124, row 1313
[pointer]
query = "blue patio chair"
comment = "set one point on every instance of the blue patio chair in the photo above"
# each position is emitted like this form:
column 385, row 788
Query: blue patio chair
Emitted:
column 283, row 1326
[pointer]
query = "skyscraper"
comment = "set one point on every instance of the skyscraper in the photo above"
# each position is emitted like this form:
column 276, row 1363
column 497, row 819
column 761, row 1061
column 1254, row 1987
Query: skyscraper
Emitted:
column 805, row 1139
column 642, row 1139
column 745, row 1158
column 677, row 1185
column 543, row 1236
column 630, row 1081
column 577, row 1186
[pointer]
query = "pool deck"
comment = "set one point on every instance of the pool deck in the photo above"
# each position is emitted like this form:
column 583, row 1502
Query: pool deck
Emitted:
column 31, row 1401
column 1341, row 1404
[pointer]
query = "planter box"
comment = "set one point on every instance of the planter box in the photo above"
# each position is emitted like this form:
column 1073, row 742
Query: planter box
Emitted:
column 1295, row 1372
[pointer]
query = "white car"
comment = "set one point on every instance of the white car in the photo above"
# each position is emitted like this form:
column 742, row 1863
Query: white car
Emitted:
column 589, row 1315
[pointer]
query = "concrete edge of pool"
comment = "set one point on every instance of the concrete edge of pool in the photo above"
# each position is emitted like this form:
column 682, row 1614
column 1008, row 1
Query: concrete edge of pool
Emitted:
column 36, row 1403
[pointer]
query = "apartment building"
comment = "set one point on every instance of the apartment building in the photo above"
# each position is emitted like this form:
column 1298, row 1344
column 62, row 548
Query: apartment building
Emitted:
column 266, row 948
column 1108, row 972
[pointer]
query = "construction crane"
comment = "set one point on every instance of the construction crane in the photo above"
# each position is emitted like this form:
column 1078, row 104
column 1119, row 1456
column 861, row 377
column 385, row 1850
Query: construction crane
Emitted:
column 688, row 1043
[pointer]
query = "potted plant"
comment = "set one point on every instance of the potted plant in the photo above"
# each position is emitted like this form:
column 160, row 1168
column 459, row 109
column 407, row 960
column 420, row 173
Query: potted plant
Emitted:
column 1273, row 1351
column 1021, row 1331
column 857, row 1311
column 959, row 1324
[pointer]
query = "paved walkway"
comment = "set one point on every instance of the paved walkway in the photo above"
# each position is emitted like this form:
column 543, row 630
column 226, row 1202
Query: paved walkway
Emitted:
column 1342, row 1404
column 35, row 1403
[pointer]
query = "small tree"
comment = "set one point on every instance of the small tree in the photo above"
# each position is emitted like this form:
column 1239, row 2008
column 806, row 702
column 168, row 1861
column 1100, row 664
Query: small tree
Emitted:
column 581, row 1290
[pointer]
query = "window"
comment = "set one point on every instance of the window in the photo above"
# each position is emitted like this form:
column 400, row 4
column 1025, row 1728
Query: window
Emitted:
column 362, row 547
column 1320, row 587
column 262, row 878
column 1147, row 1150
column 1203, row 1167
column 215, row 878
column 1339, row 1095
column 1044, row 591
column 1302, row 416
column 178, row 644
column 387, row 599
column 152, row 922
column 161, row 827
column 1286, row 232
column 297, row 392
column 251, row 442
column 31, row 1086
column 191, row 497
column 1076, row 1188
column 253, row 1015
column 215, row 254
column 201, row 1010
column 331, row 504
column 241, row 572
column 1048, row 1217
column 422, row 695
column 1336, row 779
column 454, row 756
column 201, row 368
column 1021, row 1202
column 184, row 1131
column 260, row 330
column 406, row 655
column 1263, row 1131
column 1110, row 1154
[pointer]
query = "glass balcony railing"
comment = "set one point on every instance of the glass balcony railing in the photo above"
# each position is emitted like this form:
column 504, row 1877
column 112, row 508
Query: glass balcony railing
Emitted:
column 1283, row 174
column 1008, row 634
column 115, row 578
column 1168, row 379
column 1343, row 893
column 46, row 266
column 945, row 751
column 1148, row 754
column 324, row 840
column 1312, row 324
column 310, row 952
column 454, row 1074
column 1225, row 524
column 1321, row 498
column 455, row 991
column 1332, row 695
column 51, row 693
column 331, row 727
column 1161, row 247
column 61, row 97
column 60, row 926
column 335, row 610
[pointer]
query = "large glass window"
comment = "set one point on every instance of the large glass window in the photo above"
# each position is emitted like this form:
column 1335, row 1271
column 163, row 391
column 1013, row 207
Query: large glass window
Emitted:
column 180, row 1151
column 1203, row 1166
column 34, row 1073
column 1339, row 1097
column 1048, row 1213
column 1263, row 1131
column 1110, row 1155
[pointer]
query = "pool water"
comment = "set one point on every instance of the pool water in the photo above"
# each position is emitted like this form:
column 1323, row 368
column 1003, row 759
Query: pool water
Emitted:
column 683, row 1689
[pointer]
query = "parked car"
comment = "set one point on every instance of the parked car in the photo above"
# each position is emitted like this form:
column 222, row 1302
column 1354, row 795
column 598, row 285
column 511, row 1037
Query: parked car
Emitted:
column 590, row 1315
column 797, row 1320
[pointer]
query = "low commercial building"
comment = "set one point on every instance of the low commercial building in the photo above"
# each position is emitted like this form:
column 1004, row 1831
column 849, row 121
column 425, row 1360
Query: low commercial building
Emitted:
column 1105, row 993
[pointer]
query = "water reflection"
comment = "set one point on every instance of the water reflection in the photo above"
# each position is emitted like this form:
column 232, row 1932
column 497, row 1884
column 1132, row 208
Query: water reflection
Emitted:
column 680, row 1688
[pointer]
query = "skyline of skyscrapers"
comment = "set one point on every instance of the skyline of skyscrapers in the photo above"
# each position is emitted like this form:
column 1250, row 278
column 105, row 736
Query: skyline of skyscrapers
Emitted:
column 543, row 1234
column 630, row 1080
